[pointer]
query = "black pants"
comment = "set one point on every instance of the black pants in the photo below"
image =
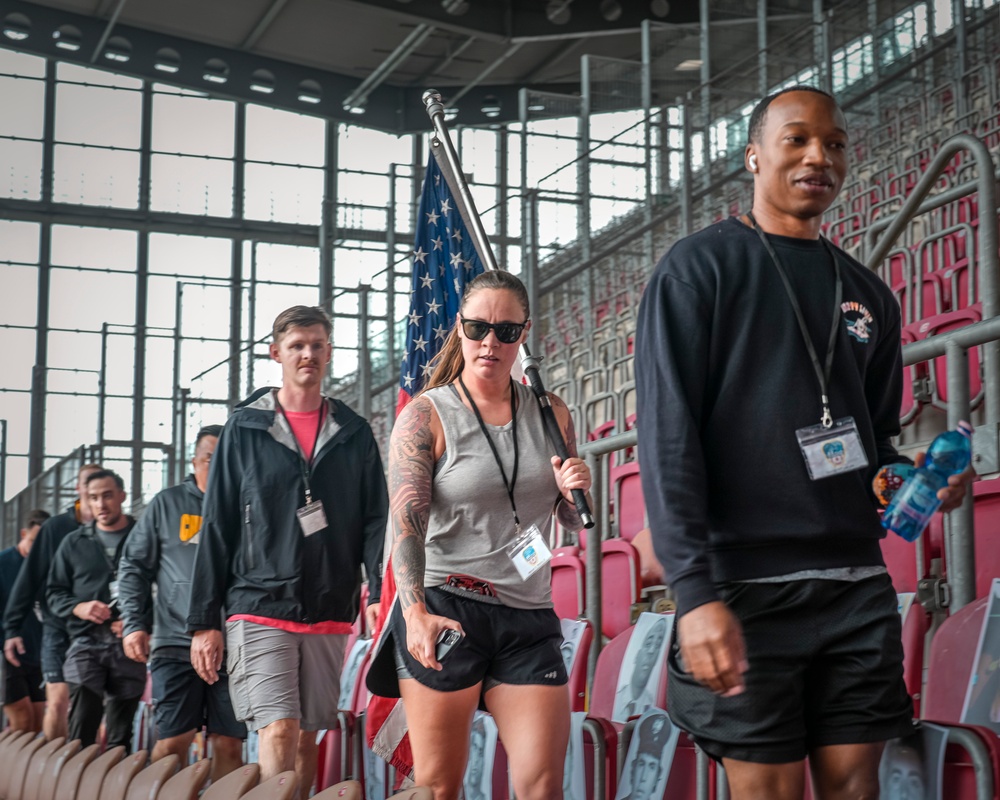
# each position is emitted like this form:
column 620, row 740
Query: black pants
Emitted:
column 86, row 709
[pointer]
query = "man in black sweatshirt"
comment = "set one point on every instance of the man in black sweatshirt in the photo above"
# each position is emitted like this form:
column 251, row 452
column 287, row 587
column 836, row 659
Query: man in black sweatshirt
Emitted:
column 29, row 589
column 769, row 379
column 83, row 591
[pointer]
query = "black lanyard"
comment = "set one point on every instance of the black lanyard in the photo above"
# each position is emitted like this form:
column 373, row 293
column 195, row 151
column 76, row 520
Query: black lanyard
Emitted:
column 508, row 485
column 304, row 463
column 822, row 374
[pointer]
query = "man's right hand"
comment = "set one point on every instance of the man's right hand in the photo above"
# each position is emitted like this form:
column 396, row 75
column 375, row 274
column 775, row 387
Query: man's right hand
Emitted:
column 206, row 654
column 136, row 646
column 93, row 611
column 712, row 648
column 13, row 648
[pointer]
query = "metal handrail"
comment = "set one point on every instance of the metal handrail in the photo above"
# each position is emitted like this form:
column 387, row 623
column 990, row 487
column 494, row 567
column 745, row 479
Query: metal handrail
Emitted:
column 980, row 757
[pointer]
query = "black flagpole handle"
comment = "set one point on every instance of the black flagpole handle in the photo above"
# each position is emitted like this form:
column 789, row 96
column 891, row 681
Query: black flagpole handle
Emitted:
column 530, row 365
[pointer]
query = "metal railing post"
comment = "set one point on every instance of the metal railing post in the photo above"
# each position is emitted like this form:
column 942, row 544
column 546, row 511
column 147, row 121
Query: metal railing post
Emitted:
column 960, row 540
column 593, row 563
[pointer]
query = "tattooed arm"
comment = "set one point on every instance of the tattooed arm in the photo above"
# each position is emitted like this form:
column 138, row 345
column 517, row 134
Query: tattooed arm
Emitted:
column 412, row 452
column 573, row 474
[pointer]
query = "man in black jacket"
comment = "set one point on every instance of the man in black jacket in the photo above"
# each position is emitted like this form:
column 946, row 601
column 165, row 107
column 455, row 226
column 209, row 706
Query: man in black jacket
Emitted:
column 161, row 550
column 23, row 696
column 29, row 589
column 83, row 590
column 296, row 503
column 769, row 378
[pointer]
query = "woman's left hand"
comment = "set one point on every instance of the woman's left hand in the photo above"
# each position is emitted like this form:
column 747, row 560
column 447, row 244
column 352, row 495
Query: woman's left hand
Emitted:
column 571, row 474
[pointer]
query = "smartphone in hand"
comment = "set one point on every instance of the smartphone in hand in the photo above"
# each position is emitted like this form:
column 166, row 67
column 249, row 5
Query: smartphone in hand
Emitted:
column 446, row 640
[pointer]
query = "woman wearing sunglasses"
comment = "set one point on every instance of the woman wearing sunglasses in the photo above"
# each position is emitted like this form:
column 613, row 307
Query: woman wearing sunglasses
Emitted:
column 473, row 488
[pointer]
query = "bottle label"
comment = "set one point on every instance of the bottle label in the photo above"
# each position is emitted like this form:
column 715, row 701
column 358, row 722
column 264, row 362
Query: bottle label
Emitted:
column 833, row 450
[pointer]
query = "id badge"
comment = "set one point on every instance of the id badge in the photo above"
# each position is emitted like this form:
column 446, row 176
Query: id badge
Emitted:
column 312, row 518
column 833, row 450
column 529, row 553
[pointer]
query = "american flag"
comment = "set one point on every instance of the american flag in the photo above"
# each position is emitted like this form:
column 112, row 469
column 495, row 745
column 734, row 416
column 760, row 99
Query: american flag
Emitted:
column 444, row 261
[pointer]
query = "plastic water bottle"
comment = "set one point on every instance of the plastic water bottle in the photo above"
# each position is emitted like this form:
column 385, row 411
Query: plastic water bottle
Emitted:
column 915, row 503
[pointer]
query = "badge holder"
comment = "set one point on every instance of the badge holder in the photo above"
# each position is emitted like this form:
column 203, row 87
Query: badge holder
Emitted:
column 312, row 517
column 529, row 553
column 832, row 450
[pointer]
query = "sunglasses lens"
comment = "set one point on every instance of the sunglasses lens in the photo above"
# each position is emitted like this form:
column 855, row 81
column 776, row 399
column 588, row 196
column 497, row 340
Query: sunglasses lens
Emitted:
column 507, row 333
column 477, row 331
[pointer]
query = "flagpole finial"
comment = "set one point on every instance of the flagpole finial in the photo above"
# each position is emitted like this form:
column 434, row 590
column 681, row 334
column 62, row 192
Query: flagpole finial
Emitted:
column 432, row 100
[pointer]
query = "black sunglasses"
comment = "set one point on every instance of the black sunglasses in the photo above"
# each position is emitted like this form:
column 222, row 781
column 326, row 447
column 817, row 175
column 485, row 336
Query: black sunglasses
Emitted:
column 507, row 332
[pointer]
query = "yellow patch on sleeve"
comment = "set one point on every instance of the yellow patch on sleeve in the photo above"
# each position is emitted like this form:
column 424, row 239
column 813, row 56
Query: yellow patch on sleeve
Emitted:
column 190, row 525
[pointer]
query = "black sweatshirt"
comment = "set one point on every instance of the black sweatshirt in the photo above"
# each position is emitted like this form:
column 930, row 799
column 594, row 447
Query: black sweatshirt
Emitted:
column 30, row 585
column 724, row 380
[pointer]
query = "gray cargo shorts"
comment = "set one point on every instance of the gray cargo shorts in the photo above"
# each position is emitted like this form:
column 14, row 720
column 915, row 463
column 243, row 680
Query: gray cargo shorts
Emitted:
column 275, row 674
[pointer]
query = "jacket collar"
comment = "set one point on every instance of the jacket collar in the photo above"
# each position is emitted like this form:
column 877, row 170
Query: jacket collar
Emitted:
column 191, row 486
column 259, row 411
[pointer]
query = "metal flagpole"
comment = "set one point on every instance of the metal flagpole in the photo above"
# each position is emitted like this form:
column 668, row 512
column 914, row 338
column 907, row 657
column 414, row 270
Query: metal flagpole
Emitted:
column 447, row 158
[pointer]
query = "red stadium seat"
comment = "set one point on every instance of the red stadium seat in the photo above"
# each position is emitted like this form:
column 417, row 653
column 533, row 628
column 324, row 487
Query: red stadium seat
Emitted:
column 619, row 585
column 578, row 675
column 901, row 560
column 909, row 408
column 569, row 594
column 944, row 323
column 915, row 627
column 986, row 512
column 627, row 500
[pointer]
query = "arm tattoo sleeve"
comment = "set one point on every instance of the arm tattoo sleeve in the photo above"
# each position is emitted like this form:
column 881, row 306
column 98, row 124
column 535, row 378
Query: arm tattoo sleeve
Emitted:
column 411, row 466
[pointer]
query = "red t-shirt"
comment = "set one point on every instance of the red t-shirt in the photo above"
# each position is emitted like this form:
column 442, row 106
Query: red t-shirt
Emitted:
column 305, row 426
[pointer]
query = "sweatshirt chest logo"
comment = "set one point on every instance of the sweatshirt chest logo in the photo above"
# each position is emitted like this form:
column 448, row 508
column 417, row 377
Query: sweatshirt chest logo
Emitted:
column 190, row 526
column 858, row 319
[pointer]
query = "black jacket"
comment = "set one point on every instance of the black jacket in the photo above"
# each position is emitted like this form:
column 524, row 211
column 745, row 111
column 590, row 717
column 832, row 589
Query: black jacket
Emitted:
column 253, row 557
column 81, row 572
column 724, row 380
column 30, row 585
column 161, row 550
column 11, row 563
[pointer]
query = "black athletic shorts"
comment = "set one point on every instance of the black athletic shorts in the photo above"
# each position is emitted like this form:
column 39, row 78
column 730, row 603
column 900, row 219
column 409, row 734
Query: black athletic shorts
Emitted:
column 501, row 645
column 23, row 681
column 55, row 643
column 825, row 668
column 183, row 702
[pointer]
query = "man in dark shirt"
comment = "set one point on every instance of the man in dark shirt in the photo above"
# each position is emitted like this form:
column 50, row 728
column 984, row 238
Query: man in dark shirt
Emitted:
column 23, row 696
column 769, row 379
column 29, row 590
column 83, row 590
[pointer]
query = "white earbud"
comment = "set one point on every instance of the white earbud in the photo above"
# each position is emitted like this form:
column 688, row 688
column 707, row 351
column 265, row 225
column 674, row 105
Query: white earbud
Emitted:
column 753, row 163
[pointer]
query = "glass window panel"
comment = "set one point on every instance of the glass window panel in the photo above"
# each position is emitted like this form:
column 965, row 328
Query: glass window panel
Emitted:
column 116, row 292
column 66, row 71
column 19, row 298
column 18, row 347
column 479, row 154
column 266, row 373
column 345, row 333
column 15, row 407
column 286, row 263
column 28, row 98
column 156, row 421
column 485, row 198
column 19, row 242
column 346, row 303
column 373, row 150
column 514, row 160
column 198, row 126
column 547, row 160
column 352, row 267
column 557, row 222
column 514, row 217
column 189, row 185
column 161, row 304
column 363, row 189
column 196, row 357
column 155, row 473
column 159, row 367
column 272, row 300
column 17, row 475
column 197, row 256
column 120, row 374
column 118, row 418
column 96, row 115
column 21, row 170
column 95, row 177
column 71, row 350
column 15, row 63
column 69, row 423
column 617, row 180
column 345, row 362
column 72, row 381
column 559, row 126
column 283, row 194
column 285, row 137
column 166, row 88
column 99, row 248
column 200, row 312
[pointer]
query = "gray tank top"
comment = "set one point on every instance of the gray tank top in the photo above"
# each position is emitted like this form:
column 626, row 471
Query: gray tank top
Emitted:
column 471, row 524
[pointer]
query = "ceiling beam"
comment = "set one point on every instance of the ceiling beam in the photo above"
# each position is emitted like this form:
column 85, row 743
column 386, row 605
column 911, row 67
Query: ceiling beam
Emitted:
column 359, row 97
column 263, row 23
column 484, row 74
column 107, row 32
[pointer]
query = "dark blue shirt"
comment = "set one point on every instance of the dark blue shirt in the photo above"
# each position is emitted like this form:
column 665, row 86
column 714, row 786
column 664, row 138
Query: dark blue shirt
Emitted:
column 10, row 564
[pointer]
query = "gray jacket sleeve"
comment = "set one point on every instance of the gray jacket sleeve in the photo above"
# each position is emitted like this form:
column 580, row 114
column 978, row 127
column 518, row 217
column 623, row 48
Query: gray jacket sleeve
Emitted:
column 139, row 564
